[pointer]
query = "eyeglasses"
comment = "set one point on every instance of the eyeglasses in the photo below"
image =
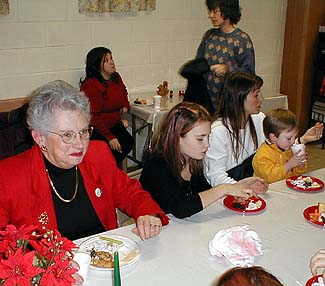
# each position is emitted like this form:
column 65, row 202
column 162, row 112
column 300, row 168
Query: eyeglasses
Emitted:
column 214, row 12
column 68, row 137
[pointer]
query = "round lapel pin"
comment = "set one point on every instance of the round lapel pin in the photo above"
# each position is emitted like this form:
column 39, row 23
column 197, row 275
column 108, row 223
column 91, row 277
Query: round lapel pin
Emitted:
column 98, row 192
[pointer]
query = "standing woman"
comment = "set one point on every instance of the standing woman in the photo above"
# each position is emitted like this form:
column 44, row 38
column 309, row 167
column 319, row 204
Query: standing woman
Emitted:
column 173, row 174
column 225, row 47
column 109, row 100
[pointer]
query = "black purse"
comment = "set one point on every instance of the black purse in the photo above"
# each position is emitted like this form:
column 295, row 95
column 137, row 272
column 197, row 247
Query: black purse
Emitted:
column 242, row 171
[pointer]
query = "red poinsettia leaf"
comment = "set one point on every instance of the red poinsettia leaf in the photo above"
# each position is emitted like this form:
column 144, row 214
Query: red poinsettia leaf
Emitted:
column 19, row 268
column 60, row 273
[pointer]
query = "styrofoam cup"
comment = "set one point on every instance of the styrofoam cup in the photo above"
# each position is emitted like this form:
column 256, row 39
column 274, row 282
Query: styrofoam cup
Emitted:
column 298, row 148
column 83, row 259
column 156, row 102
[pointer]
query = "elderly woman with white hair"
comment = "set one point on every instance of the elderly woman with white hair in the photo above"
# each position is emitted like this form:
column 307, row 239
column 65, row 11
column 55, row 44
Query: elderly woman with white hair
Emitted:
column 67, row 181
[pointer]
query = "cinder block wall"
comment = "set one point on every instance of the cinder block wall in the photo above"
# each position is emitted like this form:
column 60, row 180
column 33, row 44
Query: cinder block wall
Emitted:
column 43, row 40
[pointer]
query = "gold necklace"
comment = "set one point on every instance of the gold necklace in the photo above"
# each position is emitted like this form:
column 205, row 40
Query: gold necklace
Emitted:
column 56, row 192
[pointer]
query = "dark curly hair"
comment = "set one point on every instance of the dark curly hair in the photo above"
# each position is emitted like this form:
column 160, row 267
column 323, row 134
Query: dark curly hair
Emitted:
column 229, row 9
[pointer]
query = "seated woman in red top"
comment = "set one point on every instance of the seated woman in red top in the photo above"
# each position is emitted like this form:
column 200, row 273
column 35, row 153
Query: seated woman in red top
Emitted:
column 64, row 180
column 108, row 100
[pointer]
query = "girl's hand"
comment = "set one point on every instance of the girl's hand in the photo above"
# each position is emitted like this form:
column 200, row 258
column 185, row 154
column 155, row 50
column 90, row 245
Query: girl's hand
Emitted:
column 257, row 184
column 115, row 145
column 317, row 261
column 125, row 123
column 238, row 190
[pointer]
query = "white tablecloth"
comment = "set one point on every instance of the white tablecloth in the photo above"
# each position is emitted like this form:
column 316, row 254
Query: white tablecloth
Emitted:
column 179, row 256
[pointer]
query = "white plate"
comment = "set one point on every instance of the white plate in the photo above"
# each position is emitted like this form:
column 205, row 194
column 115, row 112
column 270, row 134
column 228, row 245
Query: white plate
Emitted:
column 129, row 252
column 149, row 103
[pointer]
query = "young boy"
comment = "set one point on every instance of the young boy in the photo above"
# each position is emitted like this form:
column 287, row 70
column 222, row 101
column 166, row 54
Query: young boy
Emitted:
column 274, row 159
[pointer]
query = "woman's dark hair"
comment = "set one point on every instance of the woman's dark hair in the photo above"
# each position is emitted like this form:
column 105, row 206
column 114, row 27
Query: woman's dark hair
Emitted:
column 231, row 107
column 248, row 276
column 229, row 9
column 278, row 120
column 94, row 62
column 181, row 119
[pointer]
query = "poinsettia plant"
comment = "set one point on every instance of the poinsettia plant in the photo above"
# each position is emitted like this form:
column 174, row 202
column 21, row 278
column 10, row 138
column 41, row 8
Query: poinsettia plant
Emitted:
column 33, row 256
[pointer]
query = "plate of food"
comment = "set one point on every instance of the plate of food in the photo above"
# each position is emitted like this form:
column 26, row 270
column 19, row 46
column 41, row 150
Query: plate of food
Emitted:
column 315, row 281
column 101, row 250
column 142, row 102
column 305, row 183
column 251, row 205
column 315, row 214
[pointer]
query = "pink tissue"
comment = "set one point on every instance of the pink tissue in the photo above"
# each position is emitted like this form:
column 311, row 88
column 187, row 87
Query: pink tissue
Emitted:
column 238, row 244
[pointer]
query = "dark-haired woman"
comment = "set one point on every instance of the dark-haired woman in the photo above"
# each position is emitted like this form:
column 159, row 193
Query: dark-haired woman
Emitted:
column 225, row 47
column 237, row 131
column 173, row 174
column 109, row 100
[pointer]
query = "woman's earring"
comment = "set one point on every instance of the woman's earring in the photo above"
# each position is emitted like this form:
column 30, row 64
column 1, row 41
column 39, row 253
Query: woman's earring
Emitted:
column 43, row 148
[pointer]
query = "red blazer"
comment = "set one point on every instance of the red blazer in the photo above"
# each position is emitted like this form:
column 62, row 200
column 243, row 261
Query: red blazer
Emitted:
column 25, row 192
column 106, row 103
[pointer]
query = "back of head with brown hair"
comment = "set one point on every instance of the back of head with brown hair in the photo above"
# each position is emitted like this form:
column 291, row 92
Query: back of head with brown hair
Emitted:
column 248, row 276
column 278, row 120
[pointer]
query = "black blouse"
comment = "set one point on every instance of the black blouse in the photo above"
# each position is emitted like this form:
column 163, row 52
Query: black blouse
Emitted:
column 77, row 218
column 180, row 199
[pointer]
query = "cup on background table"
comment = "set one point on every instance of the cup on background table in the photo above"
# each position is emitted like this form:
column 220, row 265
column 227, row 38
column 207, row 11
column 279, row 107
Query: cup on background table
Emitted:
column 83, row 259
column 156, row 102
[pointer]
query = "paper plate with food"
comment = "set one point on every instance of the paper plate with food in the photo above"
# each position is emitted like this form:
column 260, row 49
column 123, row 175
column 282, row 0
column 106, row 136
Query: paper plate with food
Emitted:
column 251, row 205
column 143, row 102
column 315, row 214
column 305, row 183
column 316, row 281
column 101, row 250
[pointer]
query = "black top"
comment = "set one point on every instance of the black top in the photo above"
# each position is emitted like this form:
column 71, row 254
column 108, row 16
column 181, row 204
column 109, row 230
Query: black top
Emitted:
column 78, row 218
column 196, row 90
column 181, row 200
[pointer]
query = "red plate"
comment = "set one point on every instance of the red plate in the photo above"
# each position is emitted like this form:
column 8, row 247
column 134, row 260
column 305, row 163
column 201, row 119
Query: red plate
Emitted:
column 304, row 189
column 312, row 280
column 307, row 213
column 230, row 203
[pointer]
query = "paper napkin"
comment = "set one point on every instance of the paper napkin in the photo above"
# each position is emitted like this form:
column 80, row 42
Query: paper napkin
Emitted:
column 238, row 244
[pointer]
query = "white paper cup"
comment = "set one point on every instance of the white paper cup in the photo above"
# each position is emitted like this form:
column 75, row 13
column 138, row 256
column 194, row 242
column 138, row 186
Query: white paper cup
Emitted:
column 83, row 259
column 156, row 102
column 298, row 148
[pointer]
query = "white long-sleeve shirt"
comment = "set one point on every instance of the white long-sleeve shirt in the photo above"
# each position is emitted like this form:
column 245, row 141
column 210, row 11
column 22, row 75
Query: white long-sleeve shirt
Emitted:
column 220, row 157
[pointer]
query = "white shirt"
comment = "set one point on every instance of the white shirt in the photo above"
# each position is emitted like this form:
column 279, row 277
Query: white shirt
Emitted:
column 220, row 157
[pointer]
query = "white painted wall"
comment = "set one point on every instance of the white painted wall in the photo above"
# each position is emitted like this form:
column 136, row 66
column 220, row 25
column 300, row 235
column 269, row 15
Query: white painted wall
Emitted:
column 43, row 40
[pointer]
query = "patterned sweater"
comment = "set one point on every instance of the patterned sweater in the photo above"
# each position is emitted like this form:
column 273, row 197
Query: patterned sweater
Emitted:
column 234, row 49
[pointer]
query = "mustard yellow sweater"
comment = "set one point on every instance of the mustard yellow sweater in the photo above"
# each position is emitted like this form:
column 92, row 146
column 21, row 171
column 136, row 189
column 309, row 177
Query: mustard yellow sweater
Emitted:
column 269, row 160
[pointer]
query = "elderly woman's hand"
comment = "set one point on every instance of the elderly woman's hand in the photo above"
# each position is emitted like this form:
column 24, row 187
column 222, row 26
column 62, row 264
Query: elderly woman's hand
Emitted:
column 147, row 226
column 257, row 184
column 313, row 133
column 317, row 261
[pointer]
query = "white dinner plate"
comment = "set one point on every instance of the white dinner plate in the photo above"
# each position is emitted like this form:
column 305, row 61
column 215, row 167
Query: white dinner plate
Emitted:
column 149, row 103
column 129, row 251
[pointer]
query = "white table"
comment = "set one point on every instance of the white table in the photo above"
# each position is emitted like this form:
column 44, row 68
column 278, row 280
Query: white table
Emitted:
column 150, row 117
column 179, row 256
